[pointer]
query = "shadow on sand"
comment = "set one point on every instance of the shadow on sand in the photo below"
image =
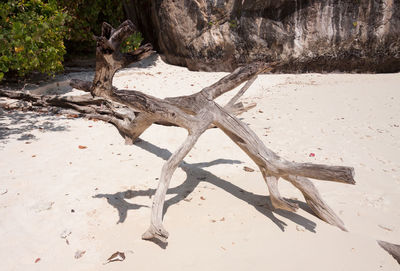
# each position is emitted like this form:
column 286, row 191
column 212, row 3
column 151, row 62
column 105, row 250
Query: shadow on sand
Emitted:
column 196, row 174
column 22, row 124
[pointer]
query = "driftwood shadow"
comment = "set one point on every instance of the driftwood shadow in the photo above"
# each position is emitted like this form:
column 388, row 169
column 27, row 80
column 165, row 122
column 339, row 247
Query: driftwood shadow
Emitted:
column 146, row 63
column 118, row 201
column 195, row 175
column 22, row 124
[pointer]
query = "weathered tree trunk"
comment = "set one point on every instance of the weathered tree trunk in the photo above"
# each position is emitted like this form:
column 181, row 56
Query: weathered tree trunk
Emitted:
column 132, row 112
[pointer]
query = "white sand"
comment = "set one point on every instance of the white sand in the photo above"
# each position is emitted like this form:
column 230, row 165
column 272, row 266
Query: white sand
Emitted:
column 345, row 119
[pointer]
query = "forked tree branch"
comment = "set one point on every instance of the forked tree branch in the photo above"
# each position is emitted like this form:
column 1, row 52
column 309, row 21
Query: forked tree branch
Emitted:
column 132, row 112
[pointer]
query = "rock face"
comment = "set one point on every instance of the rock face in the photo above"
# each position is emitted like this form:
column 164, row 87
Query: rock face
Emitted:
column 219, row 35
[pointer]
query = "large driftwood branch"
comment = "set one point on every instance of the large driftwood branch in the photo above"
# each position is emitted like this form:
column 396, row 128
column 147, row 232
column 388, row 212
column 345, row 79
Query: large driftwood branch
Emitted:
column 195, row 113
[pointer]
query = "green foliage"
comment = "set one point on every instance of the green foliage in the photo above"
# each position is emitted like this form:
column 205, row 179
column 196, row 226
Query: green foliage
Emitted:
column 33, row 32
column 132, row 42
column 87, row 17
column 233, row 24
column 31, row 36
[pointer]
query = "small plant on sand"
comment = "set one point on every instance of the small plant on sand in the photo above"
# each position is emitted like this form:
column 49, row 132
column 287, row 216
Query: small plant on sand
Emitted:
column 132, row 42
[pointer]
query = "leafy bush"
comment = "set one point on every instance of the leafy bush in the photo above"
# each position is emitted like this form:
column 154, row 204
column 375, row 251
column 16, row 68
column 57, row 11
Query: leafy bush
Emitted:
column 31, row 36
column 132, row 42
column 33, row 32
column 87, row 17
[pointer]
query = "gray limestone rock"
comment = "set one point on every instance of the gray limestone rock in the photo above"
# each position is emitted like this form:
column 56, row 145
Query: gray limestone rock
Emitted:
column 219, row 35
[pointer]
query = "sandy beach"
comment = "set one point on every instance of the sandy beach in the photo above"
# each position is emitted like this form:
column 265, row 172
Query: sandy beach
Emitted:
column 72, row 193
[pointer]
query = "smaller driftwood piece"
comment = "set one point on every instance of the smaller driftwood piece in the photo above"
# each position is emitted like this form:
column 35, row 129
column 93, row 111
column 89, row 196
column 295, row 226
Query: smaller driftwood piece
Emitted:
column 392, row 249
column 132, row 112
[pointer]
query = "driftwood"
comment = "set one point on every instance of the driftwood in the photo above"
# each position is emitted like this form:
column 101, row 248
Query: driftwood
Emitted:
column 132, row 112
column 392, row 249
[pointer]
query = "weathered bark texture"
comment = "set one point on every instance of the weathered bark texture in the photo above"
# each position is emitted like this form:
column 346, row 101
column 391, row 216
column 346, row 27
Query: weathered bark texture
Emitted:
column 132, row 112
column 392, row 249
column 309, row 35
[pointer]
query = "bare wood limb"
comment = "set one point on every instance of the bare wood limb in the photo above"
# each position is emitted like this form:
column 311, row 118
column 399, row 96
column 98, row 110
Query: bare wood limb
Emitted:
column 126, row 23
column 276, row 199
column 240, row 93
column 130, row 131
column 195, row 102
column 239, row 108
column 121, row 33
column 321, row 172
column 392, row 249
column 104, row 45
column 273, row 165
column 107, row 30
column 52, row 100
column 156, row 230
column 234, row 79
column 109, row 59
column 134, row 129
column 142, row 52
column 314, row 200
column 81, row 85
column 18, row 95
column 246, row 139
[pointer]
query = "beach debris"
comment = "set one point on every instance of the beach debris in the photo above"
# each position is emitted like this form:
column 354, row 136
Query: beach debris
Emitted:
column 222, row 219
column 298, row 228
column 392, row 249
column 116, row 257
column 72, row 116
column 248, row 169
column 65, row 234
column 188, row 199
column 385, row 228
column 82, row 147
column 311, row 154
column 37, row 260
column 79, row 254
column 3, row 191
column 202, row 198
column 43, row 206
